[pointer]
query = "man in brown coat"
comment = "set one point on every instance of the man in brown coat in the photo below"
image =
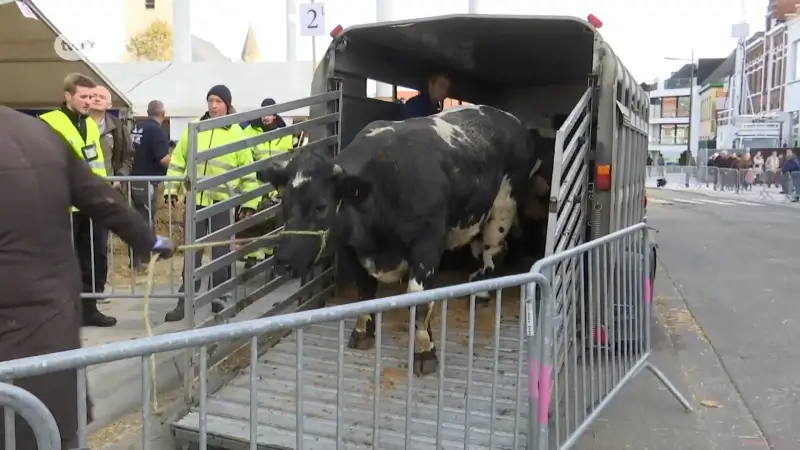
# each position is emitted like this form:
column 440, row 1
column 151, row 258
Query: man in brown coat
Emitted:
column 40, row 310
column 115, row 137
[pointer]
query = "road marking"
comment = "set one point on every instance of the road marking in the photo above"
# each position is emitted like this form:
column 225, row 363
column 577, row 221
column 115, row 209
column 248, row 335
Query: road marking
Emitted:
column 715, row 202
column 741, row 202
column 685, row 200
column 704, row 201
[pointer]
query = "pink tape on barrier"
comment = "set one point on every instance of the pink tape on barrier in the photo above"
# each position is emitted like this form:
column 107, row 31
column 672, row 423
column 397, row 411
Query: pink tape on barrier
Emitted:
column 533, row 380
column 544, row 394
column 647, row 293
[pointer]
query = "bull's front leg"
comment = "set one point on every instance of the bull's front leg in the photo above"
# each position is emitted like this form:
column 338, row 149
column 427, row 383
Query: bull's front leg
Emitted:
column 363, row 335
column 423, row 268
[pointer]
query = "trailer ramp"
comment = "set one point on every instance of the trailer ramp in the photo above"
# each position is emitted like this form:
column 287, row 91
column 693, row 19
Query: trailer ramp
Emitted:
column 229, row 408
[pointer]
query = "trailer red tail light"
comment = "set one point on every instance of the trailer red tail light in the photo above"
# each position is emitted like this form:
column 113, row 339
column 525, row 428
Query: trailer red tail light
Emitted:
column 336, row 31
column 602, row 179
column 597, row 23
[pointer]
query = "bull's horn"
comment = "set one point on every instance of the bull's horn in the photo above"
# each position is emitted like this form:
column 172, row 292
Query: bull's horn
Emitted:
column 337, row 169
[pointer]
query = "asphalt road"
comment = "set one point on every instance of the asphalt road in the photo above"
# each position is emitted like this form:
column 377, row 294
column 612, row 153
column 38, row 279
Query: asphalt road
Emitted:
column 736, row 266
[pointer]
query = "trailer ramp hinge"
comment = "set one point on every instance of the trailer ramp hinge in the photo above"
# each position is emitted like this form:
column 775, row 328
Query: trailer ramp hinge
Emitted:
column 553, row 205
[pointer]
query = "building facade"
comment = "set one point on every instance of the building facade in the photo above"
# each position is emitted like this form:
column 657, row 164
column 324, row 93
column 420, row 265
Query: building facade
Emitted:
column 792, row 92
column 760, row 120
column 712, row 99
column 674, row 115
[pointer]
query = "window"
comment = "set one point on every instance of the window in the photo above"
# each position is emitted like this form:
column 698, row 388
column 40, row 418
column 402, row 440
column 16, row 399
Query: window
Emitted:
column 681, row 134
column 672, row 134
column 655, row 110
column 667, row 134
column 684, row 105
column 674, row 107
column 150, row 4
column 796, row 48
column 669, row 107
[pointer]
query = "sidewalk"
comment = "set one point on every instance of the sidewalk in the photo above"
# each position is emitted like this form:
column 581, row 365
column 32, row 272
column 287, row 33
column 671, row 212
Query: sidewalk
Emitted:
column 760, row 194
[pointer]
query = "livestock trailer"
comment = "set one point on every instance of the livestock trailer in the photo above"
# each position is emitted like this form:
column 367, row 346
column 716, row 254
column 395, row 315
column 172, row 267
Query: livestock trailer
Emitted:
column 558, row 76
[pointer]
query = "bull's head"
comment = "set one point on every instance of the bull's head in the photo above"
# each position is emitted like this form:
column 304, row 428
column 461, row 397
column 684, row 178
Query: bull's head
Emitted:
column 313, row 191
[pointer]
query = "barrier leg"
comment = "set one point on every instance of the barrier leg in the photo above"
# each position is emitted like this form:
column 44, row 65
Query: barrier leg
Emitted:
column 668, row 384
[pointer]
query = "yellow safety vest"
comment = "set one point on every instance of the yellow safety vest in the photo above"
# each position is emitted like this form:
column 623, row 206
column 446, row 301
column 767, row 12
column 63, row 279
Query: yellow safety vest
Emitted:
column 270, row 148
column 217, row 166
column 88, row 150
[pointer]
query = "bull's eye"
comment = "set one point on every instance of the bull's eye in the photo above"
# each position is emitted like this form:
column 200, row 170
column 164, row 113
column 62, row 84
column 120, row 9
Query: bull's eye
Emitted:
column 321, row 208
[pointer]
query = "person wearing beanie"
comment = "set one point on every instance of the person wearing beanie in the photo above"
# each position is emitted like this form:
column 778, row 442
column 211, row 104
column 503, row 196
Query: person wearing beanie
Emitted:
column 220, row 103
column 267, row 149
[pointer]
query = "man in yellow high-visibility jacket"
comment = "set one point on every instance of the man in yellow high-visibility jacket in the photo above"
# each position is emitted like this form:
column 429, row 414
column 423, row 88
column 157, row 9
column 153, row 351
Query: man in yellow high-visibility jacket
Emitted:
column 90, row 240
column 219, row 104
column 265, row 150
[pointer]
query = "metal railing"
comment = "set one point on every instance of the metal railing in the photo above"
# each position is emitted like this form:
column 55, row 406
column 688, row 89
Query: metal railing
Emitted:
column 223, row 224
column 109, row 267
column 583, row 342
column 593, row 334
column 770, row 185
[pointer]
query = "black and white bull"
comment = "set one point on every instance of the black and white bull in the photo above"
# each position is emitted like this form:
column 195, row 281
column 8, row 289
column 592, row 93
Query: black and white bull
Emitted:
column 399, row 195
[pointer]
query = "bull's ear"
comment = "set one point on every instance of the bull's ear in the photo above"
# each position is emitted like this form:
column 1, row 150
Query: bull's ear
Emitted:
column 352, row 189
column 275, row 175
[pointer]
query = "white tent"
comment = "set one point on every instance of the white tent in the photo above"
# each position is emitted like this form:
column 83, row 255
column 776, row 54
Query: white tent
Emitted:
column 31, row 72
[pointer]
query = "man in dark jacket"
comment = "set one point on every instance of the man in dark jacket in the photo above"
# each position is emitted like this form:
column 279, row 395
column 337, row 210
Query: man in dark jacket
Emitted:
column 151, row 159
column 791, row 170
column 431, row 100
column 40, row 310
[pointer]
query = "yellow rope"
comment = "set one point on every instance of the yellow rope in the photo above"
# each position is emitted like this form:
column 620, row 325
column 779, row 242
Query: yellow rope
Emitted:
column 151, row 271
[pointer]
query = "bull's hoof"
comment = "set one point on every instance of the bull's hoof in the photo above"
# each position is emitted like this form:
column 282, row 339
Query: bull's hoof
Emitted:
column 425, row 363
column 361, row 340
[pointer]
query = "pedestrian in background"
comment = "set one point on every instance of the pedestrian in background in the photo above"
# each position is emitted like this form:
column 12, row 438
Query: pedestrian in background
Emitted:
column 44, row 174
column 758, row 168
column 151, row 158
column 791, row 169
column 219, row 102
column 772, row 166
column 72, row 122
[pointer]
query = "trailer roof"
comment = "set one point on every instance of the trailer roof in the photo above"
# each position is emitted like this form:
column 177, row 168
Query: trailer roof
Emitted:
column 536, row 50
column 31, row 73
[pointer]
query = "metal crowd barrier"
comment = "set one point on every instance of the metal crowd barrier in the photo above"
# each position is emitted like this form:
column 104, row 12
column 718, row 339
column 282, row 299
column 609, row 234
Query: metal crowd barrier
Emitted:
column 747, row 183
column 584, row 341
column 592, row 334
column 143, row 194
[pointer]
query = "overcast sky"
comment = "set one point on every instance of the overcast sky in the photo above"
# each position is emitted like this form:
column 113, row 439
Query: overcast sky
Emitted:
column 642, row 32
